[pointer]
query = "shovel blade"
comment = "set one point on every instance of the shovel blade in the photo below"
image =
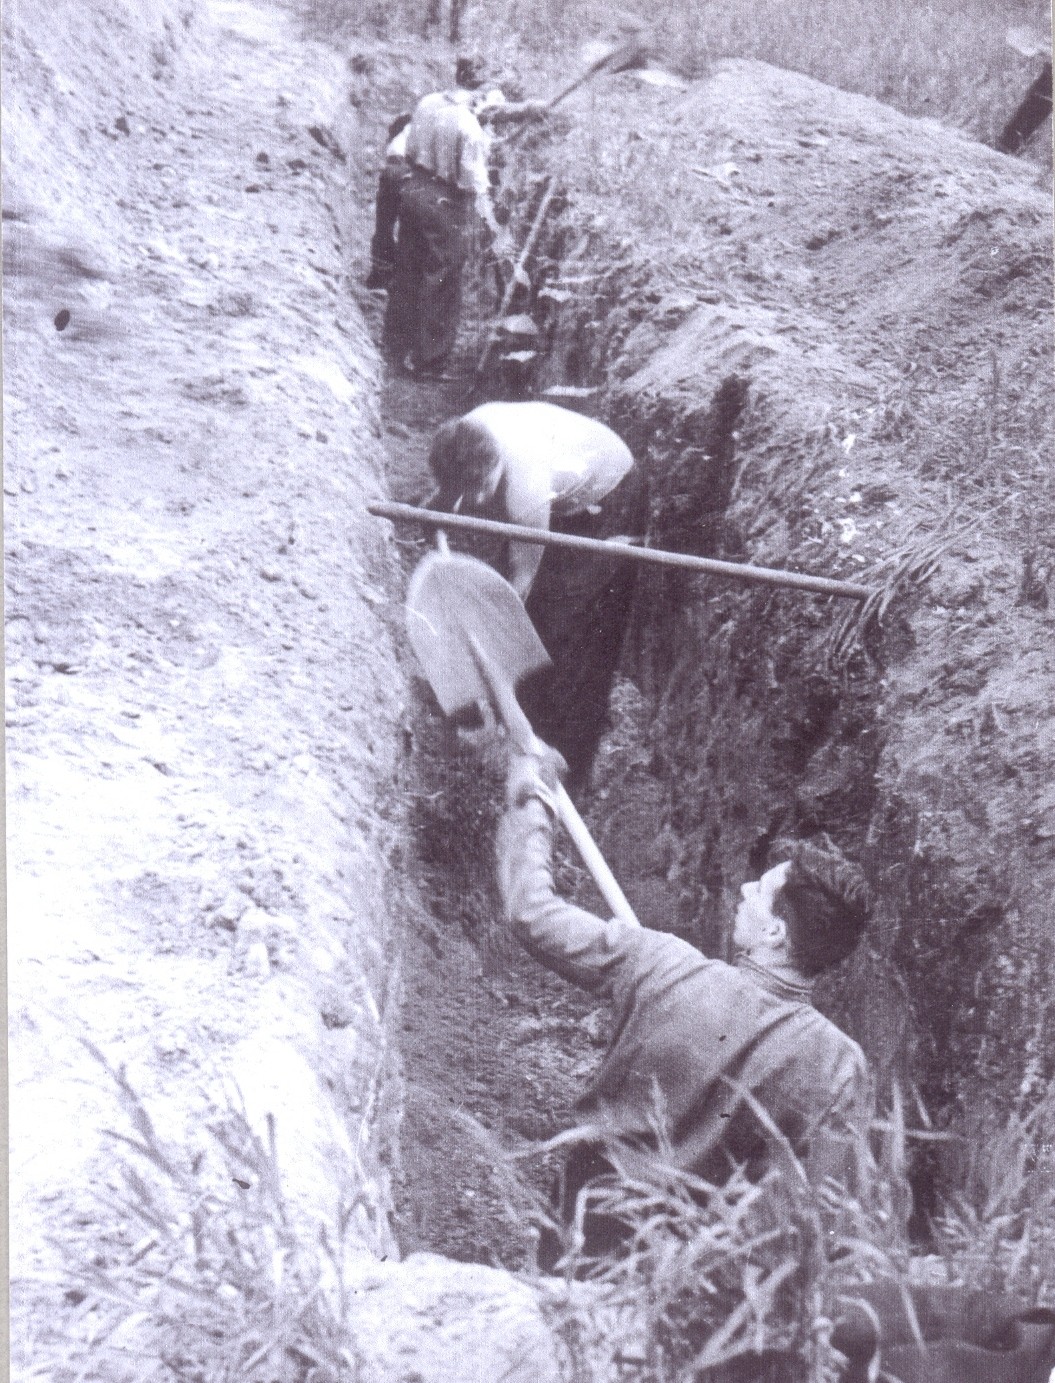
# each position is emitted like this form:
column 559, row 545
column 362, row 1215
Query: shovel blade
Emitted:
column 453, row 600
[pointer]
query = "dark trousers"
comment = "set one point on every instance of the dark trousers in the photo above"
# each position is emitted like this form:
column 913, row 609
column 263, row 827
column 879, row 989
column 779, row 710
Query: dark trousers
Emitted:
column 425, row 295
column 386, row 214
column 1031, row 114
column 580, row 604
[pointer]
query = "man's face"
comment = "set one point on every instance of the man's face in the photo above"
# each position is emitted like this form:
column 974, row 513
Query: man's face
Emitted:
column 752, row 926
column 481, row 481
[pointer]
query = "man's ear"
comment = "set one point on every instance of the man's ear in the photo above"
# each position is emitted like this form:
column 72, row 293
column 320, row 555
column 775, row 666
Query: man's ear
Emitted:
column 776, row 932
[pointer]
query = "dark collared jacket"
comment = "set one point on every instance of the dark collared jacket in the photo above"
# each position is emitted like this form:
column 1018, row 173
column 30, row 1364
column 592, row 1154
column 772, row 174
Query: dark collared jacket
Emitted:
column 694, row 1032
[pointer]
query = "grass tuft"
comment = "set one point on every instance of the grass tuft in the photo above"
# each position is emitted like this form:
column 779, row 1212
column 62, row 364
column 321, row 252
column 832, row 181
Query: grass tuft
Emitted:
column 213, row 1279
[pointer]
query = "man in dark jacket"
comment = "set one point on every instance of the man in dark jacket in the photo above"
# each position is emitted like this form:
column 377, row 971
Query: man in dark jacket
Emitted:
column 705, row 1044
column 698, row 1040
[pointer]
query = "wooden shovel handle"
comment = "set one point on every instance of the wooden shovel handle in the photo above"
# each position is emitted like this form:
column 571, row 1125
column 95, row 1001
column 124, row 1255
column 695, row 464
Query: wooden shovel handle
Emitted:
column 595, row 862
column 518, row 728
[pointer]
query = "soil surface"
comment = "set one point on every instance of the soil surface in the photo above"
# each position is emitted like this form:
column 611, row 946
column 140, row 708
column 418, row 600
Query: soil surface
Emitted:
column 208, row 718
column 881, row 288
column 204, row 695
column 242, row 846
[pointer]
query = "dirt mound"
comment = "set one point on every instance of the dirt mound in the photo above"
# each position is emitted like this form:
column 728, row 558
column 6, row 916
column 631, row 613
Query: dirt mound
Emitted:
column 204, row 698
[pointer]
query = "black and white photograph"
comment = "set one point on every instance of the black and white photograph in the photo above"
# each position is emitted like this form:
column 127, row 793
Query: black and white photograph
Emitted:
column 529, row 554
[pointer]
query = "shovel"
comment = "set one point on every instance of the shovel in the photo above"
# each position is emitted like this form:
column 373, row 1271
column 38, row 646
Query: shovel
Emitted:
column 618, row 56
column 630, row 51
column 475, row 641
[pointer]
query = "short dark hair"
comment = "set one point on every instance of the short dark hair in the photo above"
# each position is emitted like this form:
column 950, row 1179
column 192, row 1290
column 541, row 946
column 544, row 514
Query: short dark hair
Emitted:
column 469, row 72
column 461, row 457
column 825, row 903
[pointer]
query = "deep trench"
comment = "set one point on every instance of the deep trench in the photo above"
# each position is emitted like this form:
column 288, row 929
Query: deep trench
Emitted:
column 702, row 722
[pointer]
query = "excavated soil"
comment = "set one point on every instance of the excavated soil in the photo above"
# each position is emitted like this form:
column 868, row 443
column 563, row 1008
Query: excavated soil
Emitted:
column 825, row 330
column 204, row 694
column 237, row 828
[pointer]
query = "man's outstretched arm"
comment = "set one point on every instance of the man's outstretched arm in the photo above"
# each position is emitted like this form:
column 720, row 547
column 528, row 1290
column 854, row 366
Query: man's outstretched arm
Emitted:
column 568, row 940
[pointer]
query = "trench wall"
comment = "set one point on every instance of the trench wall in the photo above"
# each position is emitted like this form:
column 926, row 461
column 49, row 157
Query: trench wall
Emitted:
column 205, row 694
column 207, row 728
column 824, row 329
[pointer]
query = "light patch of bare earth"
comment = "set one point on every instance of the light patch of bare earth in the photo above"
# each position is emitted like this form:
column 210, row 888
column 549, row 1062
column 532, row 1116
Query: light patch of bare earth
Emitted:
column 204, row 694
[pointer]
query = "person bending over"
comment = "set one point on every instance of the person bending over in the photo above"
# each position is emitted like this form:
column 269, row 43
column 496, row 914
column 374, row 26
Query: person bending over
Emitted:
column 545, row 467
column 525, row 463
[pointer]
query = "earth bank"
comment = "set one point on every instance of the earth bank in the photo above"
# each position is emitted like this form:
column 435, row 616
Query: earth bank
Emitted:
column 828, row 336
column 207, row 711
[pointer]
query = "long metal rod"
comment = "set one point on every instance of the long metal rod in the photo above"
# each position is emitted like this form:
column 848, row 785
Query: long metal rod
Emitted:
column 735, row 571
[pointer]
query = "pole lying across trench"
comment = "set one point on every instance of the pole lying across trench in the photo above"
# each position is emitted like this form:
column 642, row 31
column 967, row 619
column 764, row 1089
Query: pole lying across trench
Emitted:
column 735, row 571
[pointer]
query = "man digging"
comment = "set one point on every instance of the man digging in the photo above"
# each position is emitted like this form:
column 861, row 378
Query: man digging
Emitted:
column 445, row 183
column 707, row 1046
column 541, row 466
column 706, row 1037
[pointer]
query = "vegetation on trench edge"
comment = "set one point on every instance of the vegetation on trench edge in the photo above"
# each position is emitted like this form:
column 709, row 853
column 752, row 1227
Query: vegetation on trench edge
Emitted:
column 951, row 60
column 217, row 1280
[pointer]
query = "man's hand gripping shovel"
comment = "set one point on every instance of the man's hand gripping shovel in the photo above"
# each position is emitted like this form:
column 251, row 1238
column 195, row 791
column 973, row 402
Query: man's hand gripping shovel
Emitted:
column 475, row 641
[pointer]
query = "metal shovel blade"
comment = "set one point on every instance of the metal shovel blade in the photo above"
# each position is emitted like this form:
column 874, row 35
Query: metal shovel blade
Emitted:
column 453, row 600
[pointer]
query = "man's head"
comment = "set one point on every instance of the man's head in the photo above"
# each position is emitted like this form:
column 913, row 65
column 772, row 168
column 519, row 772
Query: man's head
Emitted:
column 465, row 463
column 470, row 72
column 809, row 911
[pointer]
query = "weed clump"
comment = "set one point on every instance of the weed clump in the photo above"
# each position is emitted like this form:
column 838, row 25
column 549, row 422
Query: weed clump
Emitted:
column 750, row 1280
column 216, row 1281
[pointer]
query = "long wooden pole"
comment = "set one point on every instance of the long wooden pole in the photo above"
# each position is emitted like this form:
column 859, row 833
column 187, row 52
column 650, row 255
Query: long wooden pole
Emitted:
column 735, row 571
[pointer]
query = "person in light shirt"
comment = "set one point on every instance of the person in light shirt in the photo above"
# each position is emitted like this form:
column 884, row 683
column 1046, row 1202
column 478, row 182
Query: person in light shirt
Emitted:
column 445, row 184
column 546, row 467
column 525, row 463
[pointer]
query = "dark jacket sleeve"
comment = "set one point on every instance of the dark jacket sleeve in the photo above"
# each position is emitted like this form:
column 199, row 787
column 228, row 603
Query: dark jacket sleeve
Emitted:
column 575, row 944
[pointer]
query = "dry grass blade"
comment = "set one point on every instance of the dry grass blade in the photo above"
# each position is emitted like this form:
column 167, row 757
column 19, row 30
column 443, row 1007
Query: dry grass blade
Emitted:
column 217, row 1275
column 730, row 1340
column 901, row 573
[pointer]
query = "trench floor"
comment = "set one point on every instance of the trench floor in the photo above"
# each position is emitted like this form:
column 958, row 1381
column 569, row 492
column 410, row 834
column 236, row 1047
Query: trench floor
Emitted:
column 494, row 1049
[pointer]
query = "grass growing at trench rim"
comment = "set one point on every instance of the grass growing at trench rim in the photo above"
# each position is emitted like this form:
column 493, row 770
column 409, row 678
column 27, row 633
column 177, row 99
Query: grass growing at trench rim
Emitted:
column 744, row 1281
column 213, row 1278
column 724, row 1283
column 216, row 1280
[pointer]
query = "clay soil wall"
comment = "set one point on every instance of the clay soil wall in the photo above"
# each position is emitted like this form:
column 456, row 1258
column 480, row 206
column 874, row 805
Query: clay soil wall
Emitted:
column 825, row 330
